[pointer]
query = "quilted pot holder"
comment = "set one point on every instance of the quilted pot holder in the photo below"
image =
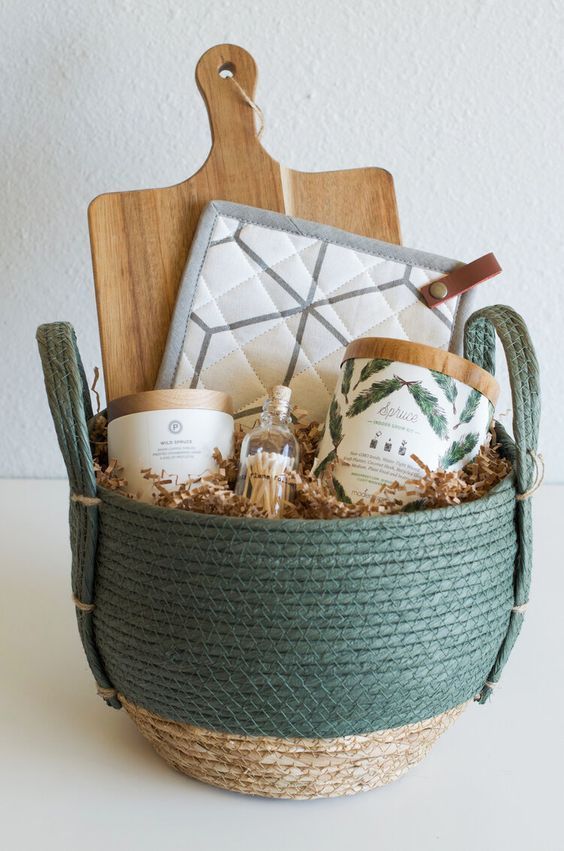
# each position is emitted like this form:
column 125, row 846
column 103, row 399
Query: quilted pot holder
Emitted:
column 270, row 299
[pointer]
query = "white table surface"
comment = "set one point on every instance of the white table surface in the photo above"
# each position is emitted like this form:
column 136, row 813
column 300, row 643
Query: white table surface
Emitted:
column 77, row 775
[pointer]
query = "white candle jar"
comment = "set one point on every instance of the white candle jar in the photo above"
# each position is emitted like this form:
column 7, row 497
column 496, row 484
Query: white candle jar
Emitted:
column 395, row 399
column 172, row 432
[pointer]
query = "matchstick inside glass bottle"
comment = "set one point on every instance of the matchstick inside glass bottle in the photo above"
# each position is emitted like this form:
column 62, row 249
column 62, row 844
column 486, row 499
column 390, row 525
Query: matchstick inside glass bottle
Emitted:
column 268, row 454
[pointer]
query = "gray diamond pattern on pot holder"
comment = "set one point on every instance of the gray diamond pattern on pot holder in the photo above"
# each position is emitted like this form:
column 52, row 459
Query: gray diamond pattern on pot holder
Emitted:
column 267, row 299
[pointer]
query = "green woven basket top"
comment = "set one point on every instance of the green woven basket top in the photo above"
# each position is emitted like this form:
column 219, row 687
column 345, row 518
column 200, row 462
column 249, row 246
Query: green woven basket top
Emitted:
column 299, row 627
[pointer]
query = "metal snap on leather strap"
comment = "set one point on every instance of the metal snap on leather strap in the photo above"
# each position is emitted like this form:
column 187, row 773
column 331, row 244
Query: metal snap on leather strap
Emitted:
column 438, row 289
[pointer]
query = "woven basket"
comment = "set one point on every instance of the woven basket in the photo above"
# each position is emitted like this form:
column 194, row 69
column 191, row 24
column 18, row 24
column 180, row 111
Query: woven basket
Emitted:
column 298, row 658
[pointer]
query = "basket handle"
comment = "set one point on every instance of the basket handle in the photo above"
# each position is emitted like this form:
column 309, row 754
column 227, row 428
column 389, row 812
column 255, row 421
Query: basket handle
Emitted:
column 479, row 346
column 69, row 401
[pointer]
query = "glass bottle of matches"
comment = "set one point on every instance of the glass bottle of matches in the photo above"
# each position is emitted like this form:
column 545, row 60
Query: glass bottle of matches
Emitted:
column 268, row 453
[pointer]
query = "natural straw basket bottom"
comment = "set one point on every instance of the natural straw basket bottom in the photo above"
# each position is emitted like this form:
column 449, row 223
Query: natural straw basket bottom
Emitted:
column 291, row 768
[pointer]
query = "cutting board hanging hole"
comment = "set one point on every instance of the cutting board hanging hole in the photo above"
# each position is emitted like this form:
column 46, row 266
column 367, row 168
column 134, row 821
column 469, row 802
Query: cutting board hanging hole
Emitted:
column 226, row 70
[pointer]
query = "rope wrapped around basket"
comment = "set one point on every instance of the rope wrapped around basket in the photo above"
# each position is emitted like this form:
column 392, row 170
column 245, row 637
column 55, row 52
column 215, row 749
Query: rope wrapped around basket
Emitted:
column 300, row 629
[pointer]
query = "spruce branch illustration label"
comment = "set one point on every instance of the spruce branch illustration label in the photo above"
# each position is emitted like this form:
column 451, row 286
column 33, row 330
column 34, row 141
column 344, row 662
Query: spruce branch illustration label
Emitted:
column 347, row 376
column 399, row 400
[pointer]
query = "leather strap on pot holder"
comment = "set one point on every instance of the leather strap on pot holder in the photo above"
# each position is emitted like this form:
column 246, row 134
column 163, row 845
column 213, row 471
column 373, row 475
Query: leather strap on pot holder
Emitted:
column 460, row 279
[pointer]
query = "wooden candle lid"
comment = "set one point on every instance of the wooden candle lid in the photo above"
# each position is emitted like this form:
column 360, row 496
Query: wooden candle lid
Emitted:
column 175, row 398
column 419, row 354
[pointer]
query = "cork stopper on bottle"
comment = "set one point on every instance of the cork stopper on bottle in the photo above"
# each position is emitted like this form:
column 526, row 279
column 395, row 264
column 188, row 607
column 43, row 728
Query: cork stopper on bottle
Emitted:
column 281, row 393
column 279, row 398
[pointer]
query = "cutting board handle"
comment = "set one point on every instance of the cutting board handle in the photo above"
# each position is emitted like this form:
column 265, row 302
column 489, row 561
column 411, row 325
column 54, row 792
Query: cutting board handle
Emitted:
column 232, row 119
column 141, row 239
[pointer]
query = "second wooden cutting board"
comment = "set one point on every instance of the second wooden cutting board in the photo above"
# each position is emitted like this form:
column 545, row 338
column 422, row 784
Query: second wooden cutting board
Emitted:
column 140, row 239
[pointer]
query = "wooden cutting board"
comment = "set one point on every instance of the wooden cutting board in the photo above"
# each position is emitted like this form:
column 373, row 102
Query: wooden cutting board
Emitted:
column 140, row 239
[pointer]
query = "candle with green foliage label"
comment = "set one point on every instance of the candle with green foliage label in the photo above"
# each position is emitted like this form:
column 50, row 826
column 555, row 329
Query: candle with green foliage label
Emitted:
column 395, row 399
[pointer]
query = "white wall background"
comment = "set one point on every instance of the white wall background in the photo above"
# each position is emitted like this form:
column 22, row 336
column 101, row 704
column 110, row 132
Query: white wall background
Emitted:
column 461, row 101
